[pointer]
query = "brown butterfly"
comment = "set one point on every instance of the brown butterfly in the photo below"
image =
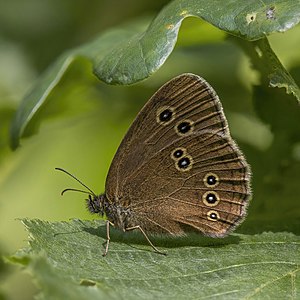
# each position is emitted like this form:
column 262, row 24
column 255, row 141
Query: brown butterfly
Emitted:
column 177, row 168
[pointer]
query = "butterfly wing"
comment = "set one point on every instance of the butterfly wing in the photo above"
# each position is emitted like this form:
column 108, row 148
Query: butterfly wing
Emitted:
column 207, row 188
column 187, row 97
column 177, row 144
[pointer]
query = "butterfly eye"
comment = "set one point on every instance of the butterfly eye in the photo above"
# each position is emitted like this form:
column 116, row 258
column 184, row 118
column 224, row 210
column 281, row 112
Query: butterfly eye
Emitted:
column 213, row 215
column 211, row 198
column 165, row 115
column 184, row 163
column 184, row 127
column 211, row 180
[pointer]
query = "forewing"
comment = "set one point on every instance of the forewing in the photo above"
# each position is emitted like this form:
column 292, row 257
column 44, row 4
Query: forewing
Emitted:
column 191, row 100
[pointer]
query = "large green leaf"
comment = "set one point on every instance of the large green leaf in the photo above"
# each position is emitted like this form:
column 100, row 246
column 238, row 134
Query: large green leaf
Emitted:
column 49, row 80
column 133, row 53
column 145, row 52
column 237, row 267
column 269, row 66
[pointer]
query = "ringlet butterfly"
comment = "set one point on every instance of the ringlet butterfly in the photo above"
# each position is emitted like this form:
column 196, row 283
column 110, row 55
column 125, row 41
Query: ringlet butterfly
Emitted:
column 177, row 168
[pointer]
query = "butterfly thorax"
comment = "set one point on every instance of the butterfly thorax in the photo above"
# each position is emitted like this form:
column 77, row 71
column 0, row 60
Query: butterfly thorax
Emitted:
column 119, row 215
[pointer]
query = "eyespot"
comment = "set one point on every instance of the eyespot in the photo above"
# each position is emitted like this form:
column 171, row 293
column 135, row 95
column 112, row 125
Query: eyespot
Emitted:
column 165, row 115
column 178, row 153
column 212, row 215
column 184, row 127
column 211, row 180
column 185, row 163
column 210, row 198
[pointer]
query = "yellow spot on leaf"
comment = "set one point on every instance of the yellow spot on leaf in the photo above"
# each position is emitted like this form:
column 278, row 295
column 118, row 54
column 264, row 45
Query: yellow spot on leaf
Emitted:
column 170, row 26
column 183, row 13
column 250, row 18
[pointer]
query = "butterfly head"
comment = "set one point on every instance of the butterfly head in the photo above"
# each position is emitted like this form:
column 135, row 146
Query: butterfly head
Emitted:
column 96, row 204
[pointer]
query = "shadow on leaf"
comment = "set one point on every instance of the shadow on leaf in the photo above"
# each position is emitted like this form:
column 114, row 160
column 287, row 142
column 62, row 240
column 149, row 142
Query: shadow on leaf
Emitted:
column 191, row 239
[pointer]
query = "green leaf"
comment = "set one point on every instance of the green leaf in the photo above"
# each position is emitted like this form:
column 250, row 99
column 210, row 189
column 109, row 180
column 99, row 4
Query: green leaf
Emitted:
column 237, row 267
column 3, row 270
column 51, row 78
column 50, row 281
column 133, row 53
column 266, row 62
column 6, row 114
column 144, row 53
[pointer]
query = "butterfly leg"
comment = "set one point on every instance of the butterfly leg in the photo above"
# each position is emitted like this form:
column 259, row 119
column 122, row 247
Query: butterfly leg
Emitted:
column 108, row 223
column 145, row 235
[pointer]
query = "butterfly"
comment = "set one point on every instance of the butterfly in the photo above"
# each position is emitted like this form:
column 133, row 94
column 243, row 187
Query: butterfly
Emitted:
column 177, row 168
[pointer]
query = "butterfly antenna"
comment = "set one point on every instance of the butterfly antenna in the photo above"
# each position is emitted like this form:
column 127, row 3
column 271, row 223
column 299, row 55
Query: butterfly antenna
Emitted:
column 75, row 190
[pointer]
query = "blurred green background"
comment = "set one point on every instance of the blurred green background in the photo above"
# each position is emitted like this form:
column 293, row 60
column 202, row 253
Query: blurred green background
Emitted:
column 84, row 120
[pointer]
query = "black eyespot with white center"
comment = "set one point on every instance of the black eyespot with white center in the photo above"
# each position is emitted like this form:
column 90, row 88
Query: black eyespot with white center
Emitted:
column 165, row 115
column 210, row 198
column 184, row 127
column 184, row 164
column 211, row 180
column 213, row 215
column 178, row 153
